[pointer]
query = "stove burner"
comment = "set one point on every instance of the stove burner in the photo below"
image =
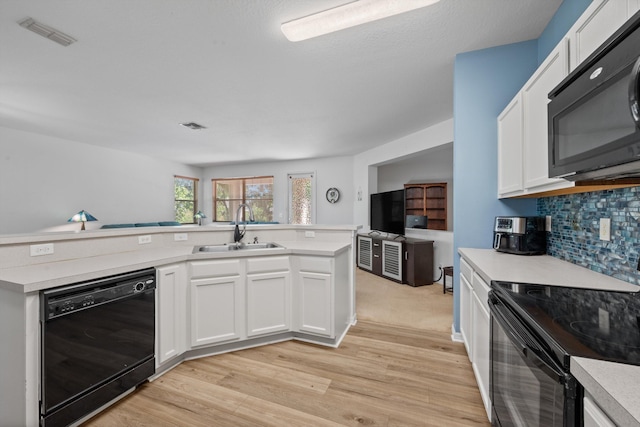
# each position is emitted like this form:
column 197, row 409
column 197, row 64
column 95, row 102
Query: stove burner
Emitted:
column 593, row 332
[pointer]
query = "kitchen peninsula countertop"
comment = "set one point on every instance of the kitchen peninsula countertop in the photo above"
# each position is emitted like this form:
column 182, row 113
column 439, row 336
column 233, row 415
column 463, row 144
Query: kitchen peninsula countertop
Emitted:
column 37, row 277
column 614, row 386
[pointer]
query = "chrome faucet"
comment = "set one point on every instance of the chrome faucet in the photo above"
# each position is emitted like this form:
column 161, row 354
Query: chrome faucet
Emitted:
column 237, row 235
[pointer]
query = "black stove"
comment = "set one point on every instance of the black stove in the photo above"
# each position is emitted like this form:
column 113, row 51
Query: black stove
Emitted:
column 581, row 322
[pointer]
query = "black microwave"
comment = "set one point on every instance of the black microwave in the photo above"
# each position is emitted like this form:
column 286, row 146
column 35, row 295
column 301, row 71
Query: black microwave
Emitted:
column 594, row 117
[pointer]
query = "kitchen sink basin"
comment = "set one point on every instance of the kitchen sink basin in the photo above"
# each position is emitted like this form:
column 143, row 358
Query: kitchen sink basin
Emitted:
column 229, row 247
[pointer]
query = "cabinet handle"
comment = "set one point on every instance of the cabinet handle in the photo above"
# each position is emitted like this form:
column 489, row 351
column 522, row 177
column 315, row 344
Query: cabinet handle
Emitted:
column 376, row 256
column 406, row 255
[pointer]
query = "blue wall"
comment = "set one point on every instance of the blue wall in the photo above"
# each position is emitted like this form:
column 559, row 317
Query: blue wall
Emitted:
column 483, row 84
column 566, row 15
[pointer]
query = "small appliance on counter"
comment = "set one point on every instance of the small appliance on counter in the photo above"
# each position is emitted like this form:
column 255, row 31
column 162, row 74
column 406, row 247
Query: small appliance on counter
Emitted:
column 520, row 235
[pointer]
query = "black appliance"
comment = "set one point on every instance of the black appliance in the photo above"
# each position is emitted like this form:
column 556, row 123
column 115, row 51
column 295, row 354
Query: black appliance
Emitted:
column 387, row 212
column 98, row 340
column 594, row 117
column 416, row 221
column 535, row 329
column 520, row 235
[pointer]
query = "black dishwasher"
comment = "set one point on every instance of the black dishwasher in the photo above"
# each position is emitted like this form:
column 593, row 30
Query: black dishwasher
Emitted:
column 98, row 340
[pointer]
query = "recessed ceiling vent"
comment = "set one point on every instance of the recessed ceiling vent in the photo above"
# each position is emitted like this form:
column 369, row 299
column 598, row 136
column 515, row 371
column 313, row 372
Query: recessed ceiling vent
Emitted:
column 47, row 32
column 193, row 126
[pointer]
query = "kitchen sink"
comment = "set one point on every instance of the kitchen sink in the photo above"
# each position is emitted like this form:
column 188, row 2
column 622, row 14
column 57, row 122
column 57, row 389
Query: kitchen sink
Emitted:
column 229, row 247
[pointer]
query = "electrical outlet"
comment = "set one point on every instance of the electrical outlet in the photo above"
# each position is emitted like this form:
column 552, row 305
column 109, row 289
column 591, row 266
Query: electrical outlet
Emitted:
column 547, row 223
column 39, row 250
column 143, row 240
column 605, row 229
column 180, row 237
column 309, row 234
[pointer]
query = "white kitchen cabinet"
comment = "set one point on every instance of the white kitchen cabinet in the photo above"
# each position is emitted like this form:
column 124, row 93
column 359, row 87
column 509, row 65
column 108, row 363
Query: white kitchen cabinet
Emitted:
column 481, row 332
column 171, row 324
column 535, row 97
column 392, row 259
column 510, row 134
column 593, row 415
column 598, row 22
column 315, row 295
column 268, row 295
column 217, row 301
column 475, row 327
column 466, row 295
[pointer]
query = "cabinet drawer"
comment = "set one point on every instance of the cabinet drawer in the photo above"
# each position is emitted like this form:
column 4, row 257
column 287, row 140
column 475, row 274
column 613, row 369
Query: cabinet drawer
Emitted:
column 481, row 289
column 214, row 268
column 268, row 264
column 315, row 264
column 466, row 270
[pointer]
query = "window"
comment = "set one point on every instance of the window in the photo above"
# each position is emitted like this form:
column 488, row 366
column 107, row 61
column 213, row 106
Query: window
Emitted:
column 301, row 198
column 229, row 193
column 186, row 198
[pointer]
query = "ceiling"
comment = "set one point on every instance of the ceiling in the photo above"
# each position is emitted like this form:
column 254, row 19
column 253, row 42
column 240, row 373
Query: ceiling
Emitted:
column 141, row 67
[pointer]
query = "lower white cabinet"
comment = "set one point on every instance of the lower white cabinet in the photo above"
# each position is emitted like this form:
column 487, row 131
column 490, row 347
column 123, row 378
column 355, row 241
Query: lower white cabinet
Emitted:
column 171, row 306
column 481, row 344
column 268, row 296
column 315, row 296
column 475, row 327
column 217, row 301
column 466, row 295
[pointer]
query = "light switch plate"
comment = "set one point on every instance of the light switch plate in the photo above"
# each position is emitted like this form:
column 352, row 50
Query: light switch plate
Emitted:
column 143, row 240
column 180, row 237
column 39, row 250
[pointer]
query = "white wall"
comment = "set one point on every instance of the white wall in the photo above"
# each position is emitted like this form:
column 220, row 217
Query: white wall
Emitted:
column 400, row 149
column 45, row 180
column 432, row 165
column 330, row 172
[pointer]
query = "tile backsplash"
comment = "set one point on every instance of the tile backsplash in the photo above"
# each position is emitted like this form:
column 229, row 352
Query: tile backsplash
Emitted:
column 575, row 230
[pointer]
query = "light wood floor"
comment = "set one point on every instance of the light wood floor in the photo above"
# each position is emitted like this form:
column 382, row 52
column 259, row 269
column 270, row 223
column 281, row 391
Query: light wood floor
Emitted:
column 382, row 375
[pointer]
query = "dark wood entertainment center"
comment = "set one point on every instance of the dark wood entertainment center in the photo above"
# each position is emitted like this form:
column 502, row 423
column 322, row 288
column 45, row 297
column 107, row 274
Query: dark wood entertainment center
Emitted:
column 404, row 260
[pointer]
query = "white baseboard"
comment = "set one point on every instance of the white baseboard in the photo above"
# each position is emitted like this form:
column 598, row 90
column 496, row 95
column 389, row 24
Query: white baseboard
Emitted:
column 455, row 336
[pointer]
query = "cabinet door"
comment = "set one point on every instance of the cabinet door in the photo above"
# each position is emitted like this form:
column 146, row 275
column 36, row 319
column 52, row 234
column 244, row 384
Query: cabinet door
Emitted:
column 268, row 303
column 534, row 103
column 481, row 349
column 510, row 148
column 216, row 310
column 392, row 260
column 466, row 293
column 365, row 253
column 315, row 303
column 601, row 19
column 171, row 324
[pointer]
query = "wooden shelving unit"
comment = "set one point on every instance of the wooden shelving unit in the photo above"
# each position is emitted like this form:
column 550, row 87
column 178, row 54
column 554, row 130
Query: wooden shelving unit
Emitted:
column 430, row 200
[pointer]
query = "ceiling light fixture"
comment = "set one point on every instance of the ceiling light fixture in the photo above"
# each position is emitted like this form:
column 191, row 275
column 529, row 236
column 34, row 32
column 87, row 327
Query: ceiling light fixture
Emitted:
column 348, row 15
column 193, row 126
column 47, row 32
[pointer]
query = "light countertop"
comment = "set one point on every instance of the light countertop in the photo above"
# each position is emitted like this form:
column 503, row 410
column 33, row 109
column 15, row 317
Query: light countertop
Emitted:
column 614, row 386
column 48, row 275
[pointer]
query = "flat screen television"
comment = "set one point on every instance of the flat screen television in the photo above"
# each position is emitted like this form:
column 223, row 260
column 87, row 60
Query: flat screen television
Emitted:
column 387, row 212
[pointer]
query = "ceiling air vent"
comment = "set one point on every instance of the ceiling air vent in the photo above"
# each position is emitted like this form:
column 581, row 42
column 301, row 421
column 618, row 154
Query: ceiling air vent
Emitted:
column 47, row 32
column 193, row 126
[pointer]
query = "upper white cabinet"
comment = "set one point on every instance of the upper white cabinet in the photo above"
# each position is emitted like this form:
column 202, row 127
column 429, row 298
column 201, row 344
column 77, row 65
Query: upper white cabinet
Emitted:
column 534, row 108
column 523, row 163
column 171, row 327
column 510, row 136
column 596, row 24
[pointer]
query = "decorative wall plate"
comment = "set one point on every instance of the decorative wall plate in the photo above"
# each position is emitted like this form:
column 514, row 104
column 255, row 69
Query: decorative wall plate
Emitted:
column 333, row 195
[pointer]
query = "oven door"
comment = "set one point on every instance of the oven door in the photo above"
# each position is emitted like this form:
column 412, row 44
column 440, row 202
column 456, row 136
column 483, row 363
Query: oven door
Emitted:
column 527, row 387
